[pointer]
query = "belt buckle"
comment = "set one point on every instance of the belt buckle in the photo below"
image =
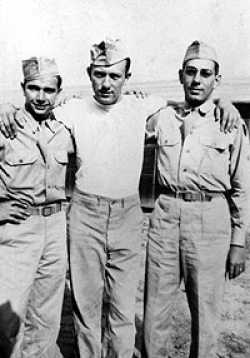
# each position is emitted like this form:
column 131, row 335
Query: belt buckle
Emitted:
column 188, row 196
column 46, row 211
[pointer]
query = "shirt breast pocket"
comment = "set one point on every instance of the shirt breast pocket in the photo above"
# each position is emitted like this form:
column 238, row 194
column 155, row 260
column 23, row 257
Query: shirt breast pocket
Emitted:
column 20, row 167
column 61, row 160
column 61, row 157
column 166, row 140
column 215, row 157
column 169, row 151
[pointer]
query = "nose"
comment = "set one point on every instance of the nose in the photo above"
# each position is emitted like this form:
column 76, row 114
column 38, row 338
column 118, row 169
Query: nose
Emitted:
column 41, row 96
column 106, row 82
column 197, row 77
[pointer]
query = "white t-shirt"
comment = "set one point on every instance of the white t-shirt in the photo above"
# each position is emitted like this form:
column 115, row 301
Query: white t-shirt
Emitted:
column 109, row 142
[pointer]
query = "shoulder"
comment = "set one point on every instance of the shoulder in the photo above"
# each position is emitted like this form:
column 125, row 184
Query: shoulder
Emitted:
column 163, row 120
column 70, row 110
column 241, row 130
column 167, row 114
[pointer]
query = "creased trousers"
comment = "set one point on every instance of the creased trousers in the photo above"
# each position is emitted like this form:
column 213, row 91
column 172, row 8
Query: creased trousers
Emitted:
column 32, row 281
column 105, row 244
column 189, row 241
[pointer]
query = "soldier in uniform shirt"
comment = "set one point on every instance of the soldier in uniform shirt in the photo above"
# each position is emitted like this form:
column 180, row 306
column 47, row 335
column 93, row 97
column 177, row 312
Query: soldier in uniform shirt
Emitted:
column 200, row 218
column 33, row 221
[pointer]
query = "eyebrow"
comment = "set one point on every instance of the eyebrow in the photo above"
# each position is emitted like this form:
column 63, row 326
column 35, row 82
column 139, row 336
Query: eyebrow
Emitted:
column 199, row 69
column 33, row 86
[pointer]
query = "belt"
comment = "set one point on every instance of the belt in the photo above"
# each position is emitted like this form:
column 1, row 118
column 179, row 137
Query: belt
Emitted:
column 191, row 195
column 47, row 210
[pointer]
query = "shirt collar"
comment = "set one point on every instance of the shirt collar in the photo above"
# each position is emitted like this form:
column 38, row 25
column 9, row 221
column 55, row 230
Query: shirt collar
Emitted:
column 106, row 107
column 51, row 122
column 204, row 109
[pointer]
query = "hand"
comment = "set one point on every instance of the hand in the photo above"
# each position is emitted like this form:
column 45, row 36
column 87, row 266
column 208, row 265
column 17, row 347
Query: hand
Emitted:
column 235, row 261
column 8, row 120
column 138, row 93
column 12, row 211
column 228, row 115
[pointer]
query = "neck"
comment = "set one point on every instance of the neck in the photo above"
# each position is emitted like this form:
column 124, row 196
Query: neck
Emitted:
column 195, row 103
column 37, row 117
column 106, row 107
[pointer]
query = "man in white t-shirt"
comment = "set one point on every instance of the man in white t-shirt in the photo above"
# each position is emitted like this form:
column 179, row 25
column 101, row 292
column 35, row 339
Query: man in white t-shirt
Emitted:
column 105, row 217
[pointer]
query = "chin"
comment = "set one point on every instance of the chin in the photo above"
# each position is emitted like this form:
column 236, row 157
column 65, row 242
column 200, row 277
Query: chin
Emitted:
column 106, row 101
column 195, row 101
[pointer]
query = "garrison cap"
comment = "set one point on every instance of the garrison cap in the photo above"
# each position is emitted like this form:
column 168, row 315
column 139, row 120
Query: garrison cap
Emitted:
column 108, row 52
column 36, row 67
column 199, row 49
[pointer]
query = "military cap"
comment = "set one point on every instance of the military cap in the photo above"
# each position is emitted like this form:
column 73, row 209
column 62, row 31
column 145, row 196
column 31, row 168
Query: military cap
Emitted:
column 36, row 67
column 199, row 49
column 108, row 52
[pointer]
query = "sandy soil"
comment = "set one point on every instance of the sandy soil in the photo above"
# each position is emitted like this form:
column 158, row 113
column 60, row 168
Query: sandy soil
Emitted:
column 234, row 339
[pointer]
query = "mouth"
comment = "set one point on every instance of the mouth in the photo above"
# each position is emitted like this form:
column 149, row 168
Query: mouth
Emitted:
column 195, row 91
column 40, row 107
column 105, row 94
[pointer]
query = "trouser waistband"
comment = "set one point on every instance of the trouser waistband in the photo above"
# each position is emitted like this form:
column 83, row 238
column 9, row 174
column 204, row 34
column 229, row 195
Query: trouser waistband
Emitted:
column 80, row 196
column 49, row 209
column 191, row 195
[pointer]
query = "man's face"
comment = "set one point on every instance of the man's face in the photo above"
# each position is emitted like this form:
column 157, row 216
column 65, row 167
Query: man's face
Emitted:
column 40, row 95
column 199, row 80
column 107, row 82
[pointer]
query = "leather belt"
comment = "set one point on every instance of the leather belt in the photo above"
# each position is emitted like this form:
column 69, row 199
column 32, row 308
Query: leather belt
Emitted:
column 47, row 210
column 191, row 195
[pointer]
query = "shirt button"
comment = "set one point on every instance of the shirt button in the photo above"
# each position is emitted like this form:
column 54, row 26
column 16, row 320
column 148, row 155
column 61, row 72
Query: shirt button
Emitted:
column 188, row 151
column 20, row 161
column 185, row 169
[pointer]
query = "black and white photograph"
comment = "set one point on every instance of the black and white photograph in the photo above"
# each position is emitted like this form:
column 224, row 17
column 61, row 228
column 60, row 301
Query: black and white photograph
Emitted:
column 124, row 179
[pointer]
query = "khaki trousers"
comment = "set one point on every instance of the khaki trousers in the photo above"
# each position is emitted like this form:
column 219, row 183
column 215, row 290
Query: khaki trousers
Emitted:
column 189, row 241
column 32, row 281
column 105, row 243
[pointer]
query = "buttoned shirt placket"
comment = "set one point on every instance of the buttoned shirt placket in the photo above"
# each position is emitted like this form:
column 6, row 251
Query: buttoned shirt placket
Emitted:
column 188, row 121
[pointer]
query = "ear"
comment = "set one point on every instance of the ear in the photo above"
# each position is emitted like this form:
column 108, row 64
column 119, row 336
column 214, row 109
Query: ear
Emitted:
column 88, row 71
column 22, row 86
column 128, row 75
column 181, row 76
column 217, row 81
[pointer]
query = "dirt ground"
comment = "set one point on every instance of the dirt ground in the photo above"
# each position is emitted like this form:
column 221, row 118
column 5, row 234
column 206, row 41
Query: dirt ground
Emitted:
column 234, row 338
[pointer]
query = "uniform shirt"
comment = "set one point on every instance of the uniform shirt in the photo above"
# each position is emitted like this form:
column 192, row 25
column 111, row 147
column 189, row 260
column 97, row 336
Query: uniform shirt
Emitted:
column 33, row 165
column 194, row 155
column 109, row 142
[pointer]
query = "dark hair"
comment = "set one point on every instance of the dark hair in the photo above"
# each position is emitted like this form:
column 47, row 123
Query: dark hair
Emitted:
column 58, row 77
column 216, row 68
column 128, row 63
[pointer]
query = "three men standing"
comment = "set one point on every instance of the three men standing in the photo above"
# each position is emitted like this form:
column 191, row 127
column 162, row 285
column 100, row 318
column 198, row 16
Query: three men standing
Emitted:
column 105, row 217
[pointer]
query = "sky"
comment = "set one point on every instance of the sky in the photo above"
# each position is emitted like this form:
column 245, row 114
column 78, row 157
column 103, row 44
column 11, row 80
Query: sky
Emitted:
column 156, row 33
